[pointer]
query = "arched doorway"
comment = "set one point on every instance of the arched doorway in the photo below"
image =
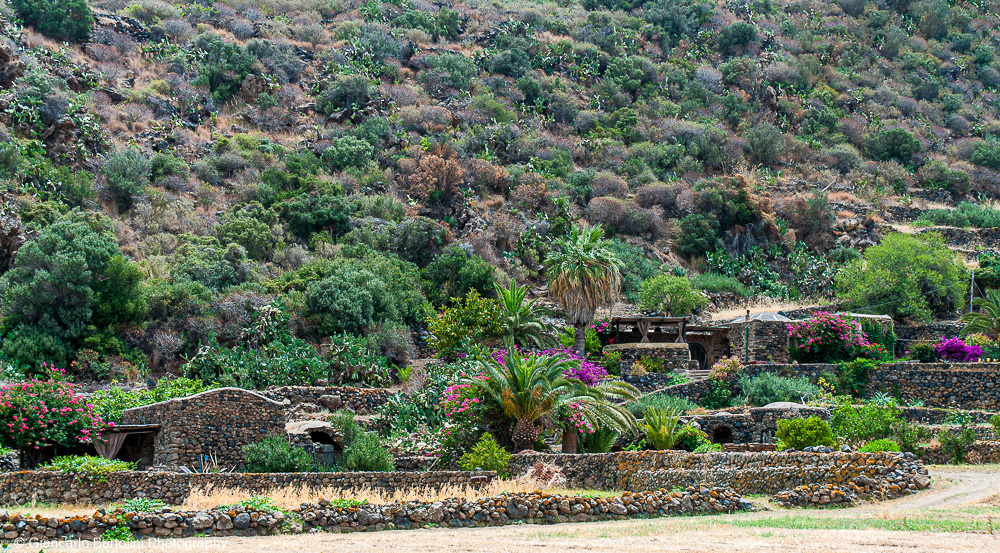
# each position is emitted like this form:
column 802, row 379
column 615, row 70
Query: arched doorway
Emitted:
column 722, row 435
column 699, row 354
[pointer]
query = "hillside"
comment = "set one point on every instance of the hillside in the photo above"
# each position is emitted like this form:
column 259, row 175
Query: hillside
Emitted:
column 242, row 189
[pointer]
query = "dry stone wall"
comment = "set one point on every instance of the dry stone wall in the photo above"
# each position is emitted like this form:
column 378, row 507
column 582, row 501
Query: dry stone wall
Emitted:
column 744, row 473
column 521, row 508
column 363, row 401
column 52, row 487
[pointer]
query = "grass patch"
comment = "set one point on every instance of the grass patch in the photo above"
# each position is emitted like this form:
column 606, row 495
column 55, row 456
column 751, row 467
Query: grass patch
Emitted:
column 915, row 524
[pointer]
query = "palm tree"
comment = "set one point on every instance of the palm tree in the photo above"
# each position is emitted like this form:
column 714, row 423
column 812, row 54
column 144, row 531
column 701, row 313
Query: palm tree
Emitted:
column 584, row 274
column 987, row 320
column 660, row 425
column 530, row 388
column 521, row 320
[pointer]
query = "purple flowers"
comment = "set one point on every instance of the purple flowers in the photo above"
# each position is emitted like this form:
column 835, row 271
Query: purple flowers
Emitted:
column 954, row 349
column 589, row 373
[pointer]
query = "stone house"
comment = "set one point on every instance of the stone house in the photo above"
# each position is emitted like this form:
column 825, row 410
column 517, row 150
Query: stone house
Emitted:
column 765, row 336
column 199, row 431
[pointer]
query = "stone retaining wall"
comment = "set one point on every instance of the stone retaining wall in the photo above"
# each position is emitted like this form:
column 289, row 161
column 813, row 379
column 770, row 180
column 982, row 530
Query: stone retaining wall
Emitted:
column 744, row 473
column 676, row 356
column 980, row 453
column 51, row 487
column 931, row 415
column 520, row 508
column 363, row 401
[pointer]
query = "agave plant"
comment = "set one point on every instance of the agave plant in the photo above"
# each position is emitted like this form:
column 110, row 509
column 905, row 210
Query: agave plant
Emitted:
column 534, row 387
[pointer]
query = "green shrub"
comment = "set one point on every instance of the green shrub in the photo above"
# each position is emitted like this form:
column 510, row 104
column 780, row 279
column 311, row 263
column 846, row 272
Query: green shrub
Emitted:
column 274, row 454
column 765, row 143
column 474, row 319
column 957, row 441
column 456, row 70
column 660, row 426
column 905, row 277
column 249, row 225
column 87, row 464
column 987, row 153
column 672, row 295
column 127, row 175
column 223, row 66
column 487, row 455
column 346, row 152
column 347, row 93
column 803, row 433
column 718, row 284
column 893, row 144
column 57, row 19
column 770, row 388
column 363, row 451
column 718, row 395
column 995, row 422
column 859, row 423
column 736, row 36
column 455, row 273
column 119, row 532
column 923, row 352
column 139, row 505
column 876, row 446
column 909, row 436
column 166, row 165
column 698, row 234
column 307, row 214
column 660, row 401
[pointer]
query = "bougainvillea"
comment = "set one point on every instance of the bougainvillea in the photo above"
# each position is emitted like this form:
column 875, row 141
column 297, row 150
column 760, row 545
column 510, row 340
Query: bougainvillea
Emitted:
column 588, row 372
column 43, row 413
column 954, row 349
column 576, row 418
column 826, row 338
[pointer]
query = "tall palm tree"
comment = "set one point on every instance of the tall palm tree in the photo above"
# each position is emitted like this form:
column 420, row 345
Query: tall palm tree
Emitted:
column 584, row 274
column 531, row 388
column 521, row 320
column 987, row 320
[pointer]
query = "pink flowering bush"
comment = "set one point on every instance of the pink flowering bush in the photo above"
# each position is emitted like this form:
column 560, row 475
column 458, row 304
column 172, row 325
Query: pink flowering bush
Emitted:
column 954, row 349
column 827, row 338
column 575, row 418
column 46, row 413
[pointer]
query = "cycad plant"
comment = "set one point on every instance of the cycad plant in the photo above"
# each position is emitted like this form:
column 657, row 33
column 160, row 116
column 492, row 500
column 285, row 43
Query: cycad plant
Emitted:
column 521, row 319
column 532, row 388
column 987, row 320
column 660, row 427
column 583, row 274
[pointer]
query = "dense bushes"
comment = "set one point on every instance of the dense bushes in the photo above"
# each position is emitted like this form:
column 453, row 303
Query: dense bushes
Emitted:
column 802, row 433
column 58, row 19
column 770, row 388
column 671, row 295
column 905, row 276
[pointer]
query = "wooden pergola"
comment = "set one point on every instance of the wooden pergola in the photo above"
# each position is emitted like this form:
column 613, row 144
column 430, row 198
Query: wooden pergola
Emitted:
column 644, row 324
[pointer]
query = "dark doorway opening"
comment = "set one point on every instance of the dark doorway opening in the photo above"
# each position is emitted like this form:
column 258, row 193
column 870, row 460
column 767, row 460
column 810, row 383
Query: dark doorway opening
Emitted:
column 722, row 435
column 699, row 354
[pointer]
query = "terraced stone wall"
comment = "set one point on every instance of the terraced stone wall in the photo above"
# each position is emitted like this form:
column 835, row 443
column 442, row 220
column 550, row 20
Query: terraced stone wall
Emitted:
column 744, row 473
column 51, row 487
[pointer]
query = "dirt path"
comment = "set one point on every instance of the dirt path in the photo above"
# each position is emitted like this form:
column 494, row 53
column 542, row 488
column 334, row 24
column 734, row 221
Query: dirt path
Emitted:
column 952, row 489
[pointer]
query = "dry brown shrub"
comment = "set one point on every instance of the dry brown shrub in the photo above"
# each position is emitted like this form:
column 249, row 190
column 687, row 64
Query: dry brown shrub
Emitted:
column 431, row 176
column 484, row 174
column 531, row 193
column 608, row 184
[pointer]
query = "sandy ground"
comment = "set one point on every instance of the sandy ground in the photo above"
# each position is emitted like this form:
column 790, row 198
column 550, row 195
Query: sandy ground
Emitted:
column 955, row 494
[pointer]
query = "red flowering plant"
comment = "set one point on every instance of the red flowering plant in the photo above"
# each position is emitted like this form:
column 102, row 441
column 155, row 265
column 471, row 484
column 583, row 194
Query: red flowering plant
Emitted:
column 39, row 414
column 827, row 338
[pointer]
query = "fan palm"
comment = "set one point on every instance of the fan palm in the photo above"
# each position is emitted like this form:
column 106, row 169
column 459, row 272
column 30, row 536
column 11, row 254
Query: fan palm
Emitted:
column 987, row 320
column 660, row 426
column 584, row 274
column 521, row 320
column 534, row 387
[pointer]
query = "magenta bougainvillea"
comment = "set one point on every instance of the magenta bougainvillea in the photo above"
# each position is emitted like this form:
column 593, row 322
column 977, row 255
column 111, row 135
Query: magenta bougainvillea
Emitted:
column 588, row 372
column 827, row 338
column 954, row 349
column 41, row 413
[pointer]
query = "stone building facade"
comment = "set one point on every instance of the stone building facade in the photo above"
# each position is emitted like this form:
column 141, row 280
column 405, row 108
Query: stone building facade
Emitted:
column 208, row 428
column 751, row 425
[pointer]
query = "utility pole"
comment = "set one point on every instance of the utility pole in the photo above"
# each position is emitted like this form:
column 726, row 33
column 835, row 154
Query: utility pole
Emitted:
column 746, row 339
column 972, row 288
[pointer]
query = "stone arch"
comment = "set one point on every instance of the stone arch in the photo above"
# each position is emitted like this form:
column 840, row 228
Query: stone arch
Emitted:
column 699, row 354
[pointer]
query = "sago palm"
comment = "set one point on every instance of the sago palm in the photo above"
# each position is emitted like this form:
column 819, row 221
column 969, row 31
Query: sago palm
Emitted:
column 583, row 274
column 521, row 319
column 534, row 387
column 987, row 320
column 660, row 426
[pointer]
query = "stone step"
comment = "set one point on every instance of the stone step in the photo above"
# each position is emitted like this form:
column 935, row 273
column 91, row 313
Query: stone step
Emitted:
column 698, row 375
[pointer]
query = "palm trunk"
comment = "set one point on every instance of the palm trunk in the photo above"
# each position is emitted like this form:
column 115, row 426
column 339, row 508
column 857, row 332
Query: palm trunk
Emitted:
column 525, row 434
column 580, row 339
column 569, row 440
